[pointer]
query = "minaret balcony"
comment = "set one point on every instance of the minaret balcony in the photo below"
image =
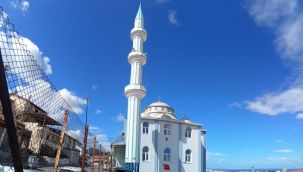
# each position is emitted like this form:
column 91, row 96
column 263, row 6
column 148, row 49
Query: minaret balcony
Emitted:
column 135, row 91
column 137, row 56
column 137, row 31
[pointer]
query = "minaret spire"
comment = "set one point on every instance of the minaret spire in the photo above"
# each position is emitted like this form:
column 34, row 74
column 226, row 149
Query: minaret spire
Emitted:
column 139, row 13
column 139, row 21
column 135, row 92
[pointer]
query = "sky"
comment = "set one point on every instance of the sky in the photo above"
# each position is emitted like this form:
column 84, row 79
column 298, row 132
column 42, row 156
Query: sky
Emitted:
column 236, row 68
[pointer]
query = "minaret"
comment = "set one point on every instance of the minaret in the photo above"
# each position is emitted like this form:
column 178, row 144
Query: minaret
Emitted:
column 135, row 91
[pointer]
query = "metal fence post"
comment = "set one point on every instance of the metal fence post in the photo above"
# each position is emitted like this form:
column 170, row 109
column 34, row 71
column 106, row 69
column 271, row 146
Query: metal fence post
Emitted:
column 9, row 119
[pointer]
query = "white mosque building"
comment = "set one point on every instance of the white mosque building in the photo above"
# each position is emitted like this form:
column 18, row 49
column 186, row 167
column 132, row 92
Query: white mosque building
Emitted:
column 168, row 143
column 155, row 139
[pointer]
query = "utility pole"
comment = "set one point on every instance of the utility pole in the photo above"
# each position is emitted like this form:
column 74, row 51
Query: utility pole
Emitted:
column 60, row 144
column 85, row 139
column 9, row 119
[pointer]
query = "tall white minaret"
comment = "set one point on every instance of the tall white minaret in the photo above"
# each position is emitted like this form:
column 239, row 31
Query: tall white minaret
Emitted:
column 135, row 91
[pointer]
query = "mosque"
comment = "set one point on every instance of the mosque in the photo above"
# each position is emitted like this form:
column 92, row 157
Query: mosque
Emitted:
column 155, row 140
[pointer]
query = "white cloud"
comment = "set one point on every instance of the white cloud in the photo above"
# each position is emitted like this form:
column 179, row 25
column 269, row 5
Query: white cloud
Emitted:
column 43, row 61
column 47, row 67
column 235, row 104
column 172, row 17
column 94, row 87
column 101, row 137
column 161, row 1
column 32, row 47
column 22, row 48
column 221, row 159
column 22, row 5
column 20, row 52
column 299, row 116
column 14, row 4
column 277, row 158
column 98, row 111
column 270, row 12
column 103, row 140
column 283, row 150
column 73, row 100
column 215, row 157
column 120, row 118
column 285, row 19
column 289, row 101
column 93, row 128
column 279, row 141
column 215, row 154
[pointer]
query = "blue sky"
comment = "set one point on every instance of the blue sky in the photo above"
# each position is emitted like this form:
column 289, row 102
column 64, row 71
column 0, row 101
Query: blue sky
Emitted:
column 235, row 67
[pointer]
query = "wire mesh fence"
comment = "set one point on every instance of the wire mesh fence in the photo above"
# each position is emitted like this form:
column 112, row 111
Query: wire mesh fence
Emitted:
column 38, row 112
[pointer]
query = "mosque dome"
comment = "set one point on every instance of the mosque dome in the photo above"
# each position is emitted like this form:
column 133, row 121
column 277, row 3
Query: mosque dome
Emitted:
column 159, row 110
column 185, row 120
column 159, row 104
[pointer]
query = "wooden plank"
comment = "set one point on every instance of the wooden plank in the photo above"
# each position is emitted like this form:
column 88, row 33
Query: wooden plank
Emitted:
column 93, row 158
column 99, row 168
column 84, row 149
column 59, row 147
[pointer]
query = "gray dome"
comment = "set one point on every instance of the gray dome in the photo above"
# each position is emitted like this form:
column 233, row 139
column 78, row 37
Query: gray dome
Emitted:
column 159, row 110
column 158, row 103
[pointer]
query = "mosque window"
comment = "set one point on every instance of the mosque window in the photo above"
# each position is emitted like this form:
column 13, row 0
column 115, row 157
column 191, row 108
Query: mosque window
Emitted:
column 188, row 132
column 145, row 128
column 188, row 155
column 145, row 153
column 166, row 155
column 167, row 129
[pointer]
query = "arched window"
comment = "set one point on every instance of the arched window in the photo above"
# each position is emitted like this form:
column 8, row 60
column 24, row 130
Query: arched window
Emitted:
column 167, row 130
column 166, row 155
column 145, row 128
column 145, row 153
column 188, row 132
column 188, row 155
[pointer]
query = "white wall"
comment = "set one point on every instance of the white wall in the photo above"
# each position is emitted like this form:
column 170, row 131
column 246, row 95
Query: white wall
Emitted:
column 178, row 144
column 149, row 141
column 194, row 145
column 171, row 143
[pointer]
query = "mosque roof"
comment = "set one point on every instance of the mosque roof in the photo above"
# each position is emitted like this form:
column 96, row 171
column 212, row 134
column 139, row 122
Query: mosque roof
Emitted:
column 159, row 103
column 159, row 110
column 185, row 120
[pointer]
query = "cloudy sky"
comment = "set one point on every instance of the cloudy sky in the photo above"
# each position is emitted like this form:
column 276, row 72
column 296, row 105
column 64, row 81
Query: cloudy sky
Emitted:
column 236, row 68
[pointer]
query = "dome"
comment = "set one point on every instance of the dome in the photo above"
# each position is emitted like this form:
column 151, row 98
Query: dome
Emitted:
column 185, row 120
column 158, row 103
column 159, row 110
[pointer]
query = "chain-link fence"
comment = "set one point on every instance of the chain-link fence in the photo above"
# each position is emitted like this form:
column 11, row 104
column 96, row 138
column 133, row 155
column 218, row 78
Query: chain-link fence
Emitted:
column 38, row 113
